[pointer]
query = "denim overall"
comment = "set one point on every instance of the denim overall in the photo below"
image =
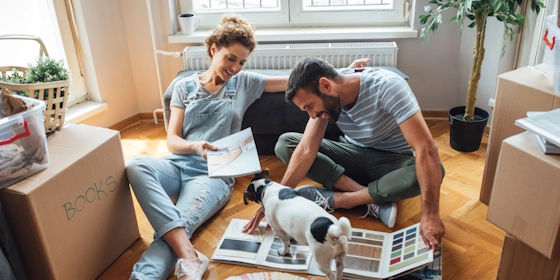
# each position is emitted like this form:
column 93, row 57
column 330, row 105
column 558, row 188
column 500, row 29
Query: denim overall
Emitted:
column 175, row 191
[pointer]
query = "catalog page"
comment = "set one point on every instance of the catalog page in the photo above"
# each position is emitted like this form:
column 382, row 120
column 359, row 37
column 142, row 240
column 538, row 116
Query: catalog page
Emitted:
column 236, row 156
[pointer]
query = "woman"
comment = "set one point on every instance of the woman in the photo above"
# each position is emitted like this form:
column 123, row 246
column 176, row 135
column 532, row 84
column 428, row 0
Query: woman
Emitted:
column 175, row 191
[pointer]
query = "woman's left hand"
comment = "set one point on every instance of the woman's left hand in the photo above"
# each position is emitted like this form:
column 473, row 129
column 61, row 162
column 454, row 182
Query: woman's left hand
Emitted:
column 361, row 62
column 202, row 146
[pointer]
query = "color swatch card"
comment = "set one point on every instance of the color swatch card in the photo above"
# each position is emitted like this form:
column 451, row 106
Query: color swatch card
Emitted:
column 382, row 255
column 371, row 254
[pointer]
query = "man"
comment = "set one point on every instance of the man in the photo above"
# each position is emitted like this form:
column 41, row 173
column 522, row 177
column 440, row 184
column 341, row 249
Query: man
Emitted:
column 386, row 155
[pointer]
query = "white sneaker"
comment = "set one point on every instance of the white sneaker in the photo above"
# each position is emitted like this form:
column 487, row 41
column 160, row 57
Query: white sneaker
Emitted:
column 191, row 269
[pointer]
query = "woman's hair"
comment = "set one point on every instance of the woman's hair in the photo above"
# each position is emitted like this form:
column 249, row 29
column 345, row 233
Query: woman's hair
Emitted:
column 232, row 29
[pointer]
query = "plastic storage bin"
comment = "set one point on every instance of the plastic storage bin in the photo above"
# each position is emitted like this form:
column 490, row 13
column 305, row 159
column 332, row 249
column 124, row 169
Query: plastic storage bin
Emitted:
column 23, row 143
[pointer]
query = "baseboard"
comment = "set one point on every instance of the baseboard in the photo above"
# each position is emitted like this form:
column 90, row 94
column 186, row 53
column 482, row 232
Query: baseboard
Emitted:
column 120, row 126
column 428, row 115
column 435, row 114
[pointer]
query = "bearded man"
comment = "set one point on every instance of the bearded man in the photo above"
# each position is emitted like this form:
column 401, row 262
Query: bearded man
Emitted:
column 387, row 152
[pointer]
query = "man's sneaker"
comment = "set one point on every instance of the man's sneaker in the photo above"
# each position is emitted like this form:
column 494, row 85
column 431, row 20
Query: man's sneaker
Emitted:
column 387, row 213
column 191, row 269
column 320, row 196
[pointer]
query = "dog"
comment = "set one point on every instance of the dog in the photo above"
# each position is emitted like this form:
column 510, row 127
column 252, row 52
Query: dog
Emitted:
column 291, row 215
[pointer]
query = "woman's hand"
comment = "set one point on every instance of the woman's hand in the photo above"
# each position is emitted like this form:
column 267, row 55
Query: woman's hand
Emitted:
column 361, row 62
column 202, row 146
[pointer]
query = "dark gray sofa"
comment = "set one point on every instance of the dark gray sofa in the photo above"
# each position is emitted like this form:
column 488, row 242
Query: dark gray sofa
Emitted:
column 270, row 116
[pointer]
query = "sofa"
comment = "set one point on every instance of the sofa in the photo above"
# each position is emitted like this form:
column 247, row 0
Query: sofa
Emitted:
column 270, row 116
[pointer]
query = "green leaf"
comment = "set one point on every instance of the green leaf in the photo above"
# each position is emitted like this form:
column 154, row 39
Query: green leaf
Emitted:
column 542, row 5
column 520, row 16
column 473, row 24
column 470, row 16
column 498, row 6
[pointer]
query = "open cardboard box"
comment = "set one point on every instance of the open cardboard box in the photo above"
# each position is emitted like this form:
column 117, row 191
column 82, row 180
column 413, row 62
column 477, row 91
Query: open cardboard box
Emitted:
column 73, row 219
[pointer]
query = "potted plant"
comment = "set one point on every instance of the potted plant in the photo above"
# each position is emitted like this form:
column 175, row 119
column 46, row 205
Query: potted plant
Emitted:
column 47, row 79
column 467, row 122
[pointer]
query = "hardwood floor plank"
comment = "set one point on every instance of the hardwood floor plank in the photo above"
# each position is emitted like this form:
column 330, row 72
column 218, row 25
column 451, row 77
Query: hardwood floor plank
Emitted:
column 472, row 245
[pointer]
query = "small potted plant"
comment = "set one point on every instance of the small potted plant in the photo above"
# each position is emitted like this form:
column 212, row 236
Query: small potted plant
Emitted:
column 47, row 79
column 467, row 122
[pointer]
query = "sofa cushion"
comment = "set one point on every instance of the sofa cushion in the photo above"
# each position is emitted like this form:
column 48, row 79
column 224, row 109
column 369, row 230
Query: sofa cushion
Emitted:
column 270, row 116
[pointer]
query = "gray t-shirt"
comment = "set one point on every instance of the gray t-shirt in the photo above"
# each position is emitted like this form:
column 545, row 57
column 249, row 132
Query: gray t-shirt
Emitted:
column 250, row 87
column 384, row 102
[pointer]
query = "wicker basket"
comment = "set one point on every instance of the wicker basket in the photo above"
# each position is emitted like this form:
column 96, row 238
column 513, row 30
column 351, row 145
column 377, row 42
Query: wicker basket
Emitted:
column 57, row 104
column 55, row 111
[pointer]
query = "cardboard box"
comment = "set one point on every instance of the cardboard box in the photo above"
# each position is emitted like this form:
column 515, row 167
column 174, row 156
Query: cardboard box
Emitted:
column 520, row 262
column 526, row 194
column 73, row 219
column 518, row 91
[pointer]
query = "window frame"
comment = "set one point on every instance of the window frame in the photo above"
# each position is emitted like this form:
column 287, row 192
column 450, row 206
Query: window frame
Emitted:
column 292, row 14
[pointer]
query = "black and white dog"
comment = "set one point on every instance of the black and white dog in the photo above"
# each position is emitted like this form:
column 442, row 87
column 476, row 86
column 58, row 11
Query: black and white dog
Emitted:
column 292, row 215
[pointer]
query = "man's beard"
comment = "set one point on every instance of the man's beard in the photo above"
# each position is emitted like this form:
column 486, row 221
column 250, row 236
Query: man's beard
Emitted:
column 332, row 106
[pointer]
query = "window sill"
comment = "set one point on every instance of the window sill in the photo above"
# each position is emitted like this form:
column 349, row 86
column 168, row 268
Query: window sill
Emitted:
column 84, row 110
column 264, row 35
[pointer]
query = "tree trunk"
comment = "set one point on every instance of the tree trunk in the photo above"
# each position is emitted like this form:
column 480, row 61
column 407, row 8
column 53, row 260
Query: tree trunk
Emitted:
column 478, row 57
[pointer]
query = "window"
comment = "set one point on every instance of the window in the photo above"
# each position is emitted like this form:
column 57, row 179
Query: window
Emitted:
column 38, row 18
column 308, row 13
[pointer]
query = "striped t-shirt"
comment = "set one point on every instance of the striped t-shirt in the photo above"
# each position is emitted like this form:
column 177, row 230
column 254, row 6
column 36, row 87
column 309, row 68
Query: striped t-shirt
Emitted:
column 385, row 101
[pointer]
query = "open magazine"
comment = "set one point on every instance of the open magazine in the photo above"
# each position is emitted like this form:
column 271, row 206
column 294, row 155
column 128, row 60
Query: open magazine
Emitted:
column 236, row 156
column 371, row 254
column 546, row 125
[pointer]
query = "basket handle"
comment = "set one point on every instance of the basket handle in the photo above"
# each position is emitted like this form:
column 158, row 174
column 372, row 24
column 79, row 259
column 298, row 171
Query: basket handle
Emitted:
column 25, row 133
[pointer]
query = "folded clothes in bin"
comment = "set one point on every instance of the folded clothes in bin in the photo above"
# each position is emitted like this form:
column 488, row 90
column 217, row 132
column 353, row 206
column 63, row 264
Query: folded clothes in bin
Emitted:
column 23, row 143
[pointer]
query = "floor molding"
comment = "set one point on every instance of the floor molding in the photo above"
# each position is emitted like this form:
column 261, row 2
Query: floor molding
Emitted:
column 428, row 115
column 122, row 125
column 435, row 114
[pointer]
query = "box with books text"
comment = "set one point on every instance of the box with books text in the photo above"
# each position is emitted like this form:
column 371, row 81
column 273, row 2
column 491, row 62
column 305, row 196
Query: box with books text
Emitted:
column 524, row 201
column 371, row 254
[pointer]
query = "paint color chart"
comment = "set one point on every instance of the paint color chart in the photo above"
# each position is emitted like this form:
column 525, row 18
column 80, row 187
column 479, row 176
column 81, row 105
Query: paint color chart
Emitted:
column 407, row 248
column 382, row 255
column 371, row 254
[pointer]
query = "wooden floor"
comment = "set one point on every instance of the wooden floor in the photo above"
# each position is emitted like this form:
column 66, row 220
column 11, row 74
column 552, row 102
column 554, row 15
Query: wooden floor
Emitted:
column 471, row 246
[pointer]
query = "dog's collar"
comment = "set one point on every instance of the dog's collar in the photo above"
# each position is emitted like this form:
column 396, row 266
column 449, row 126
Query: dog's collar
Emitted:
column 262, row 194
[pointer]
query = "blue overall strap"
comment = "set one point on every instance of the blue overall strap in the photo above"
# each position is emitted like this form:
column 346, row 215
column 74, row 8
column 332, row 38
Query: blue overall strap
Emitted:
column 230, row 90
column 191, row 89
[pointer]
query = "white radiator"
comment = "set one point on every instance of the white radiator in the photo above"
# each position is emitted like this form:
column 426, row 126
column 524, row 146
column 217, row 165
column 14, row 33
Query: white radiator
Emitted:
column 285, row 56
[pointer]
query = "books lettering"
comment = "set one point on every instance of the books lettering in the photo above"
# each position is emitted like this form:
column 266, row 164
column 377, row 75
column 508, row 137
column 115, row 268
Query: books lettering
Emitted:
column 546, row 128
column 371, row 254
column 236, row 156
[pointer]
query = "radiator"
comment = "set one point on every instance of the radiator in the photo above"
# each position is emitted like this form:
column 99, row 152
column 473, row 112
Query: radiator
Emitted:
column 285, row 56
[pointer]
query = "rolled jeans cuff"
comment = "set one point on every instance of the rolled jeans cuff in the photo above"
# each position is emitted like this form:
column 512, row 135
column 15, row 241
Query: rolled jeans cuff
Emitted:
column 333, row 176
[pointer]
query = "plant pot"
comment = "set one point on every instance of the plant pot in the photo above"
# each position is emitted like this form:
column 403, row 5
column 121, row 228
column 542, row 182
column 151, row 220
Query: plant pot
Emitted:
column 465, row 136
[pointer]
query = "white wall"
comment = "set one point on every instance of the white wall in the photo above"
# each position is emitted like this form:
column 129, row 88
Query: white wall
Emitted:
column 107, row 54
column 122, row 52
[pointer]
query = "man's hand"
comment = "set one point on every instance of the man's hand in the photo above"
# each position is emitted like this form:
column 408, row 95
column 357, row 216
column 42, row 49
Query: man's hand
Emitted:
column 432, row 231
column 252, row 225
column 202, row 146
column 361, row 62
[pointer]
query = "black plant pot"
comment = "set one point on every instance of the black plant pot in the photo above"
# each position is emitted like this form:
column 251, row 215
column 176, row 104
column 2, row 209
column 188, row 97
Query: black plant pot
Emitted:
column 465, row 136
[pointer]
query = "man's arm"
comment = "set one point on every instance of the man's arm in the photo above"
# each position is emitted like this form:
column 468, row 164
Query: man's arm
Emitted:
column 305, row 152
column 300, row 162
column 428, row 170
